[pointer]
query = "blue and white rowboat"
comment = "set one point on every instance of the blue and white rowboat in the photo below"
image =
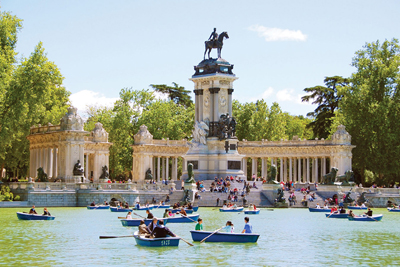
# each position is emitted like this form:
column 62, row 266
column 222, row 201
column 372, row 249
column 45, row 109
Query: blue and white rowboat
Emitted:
column 238, row 209
column 182, row 219
column 115, row 209
column 156, row 242
column 365, row 218
column 34, row 217
column 257, row 211
column 356, row 208
column 144, row 208
column 161, row 207
column 319, row 210
column 224, row 237
column 393, row 210
column 99, row 207
column 136, row 222
column 178, row 210
column 337, row 215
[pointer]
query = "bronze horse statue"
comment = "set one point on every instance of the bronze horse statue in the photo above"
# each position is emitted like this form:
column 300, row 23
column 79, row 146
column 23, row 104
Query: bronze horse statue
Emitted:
column 215, row 44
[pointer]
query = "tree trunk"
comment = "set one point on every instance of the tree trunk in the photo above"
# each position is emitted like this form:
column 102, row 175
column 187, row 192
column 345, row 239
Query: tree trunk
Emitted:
column 1, row 170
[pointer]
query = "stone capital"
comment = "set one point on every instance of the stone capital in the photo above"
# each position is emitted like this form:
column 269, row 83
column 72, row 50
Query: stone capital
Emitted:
column 230, row 91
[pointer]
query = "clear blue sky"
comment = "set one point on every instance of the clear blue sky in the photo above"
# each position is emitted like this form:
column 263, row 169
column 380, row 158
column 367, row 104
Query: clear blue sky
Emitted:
column 278, row 47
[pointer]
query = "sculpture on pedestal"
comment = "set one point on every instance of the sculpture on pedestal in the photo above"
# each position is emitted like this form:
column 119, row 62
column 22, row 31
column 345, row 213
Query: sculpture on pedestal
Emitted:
column 226, row 127
column 280, row 198
column 348, row 198
column 200, row 132
column 148, row 176
column 272, row 177
column 361, row 199
column 78, row 170
column 190, row 178
column 215, row 41
column 346, row 178
column 42, row 176
column 104, row 172
column 330, row 177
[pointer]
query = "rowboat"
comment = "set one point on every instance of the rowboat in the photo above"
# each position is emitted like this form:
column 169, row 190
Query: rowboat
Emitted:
column 365, row 218
column 136, row 222
column 178, row 210
column 319, row 210
column 356, row 208
column 182, row 219
column 161, row 207
column 393, row 210
column 144, row 208
column 257, row 211
column 337, row 215
column 98, row 207
column 115, row 209
column 224, row 237
column 34, row 217
column 156, row 242
column 238, row 209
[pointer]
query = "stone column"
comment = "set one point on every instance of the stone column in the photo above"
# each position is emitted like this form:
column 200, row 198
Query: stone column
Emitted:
column 285, row 169
column 294, row 170
column 316, row 171
column 281, row 169
column 96, row 168
column 176, row 165
column 211, row 105
column 290, row 170
column 230, row 91
column 163, row 168
column 308, row 169
column 49, row 161
column 216, row 103
column 323, row 166
column 45, row 160
column 37, row 160
column 201, row 104
column 196, row 105
column 158, row 168
column 167, row 167
column 244, row 166
column 299, row 170
column 55, row 162
column 87, row 167
column 253, row 166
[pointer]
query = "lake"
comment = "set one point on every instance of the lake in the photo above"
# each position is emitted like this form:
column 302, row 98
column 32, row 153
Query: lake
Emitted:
column 288, row 237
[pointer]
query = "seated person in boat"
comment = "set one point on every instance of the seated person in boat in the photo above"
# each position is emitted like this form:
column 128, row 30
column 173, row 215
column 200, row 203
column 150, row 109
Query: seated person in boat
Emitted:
column 137, row 206
column 182, row 212
column 228, row 227
column 251, row 207
column 32, row 210
column 363, row 205
column 142, row 228
column 161, row 231
column 149, row 215
column 46, row 212
column 129, row 216
column 342, row 210
column 126, row 205
column 317, row 206
column 92, row 204
column 190, row 207
column 248, row 228
column 351, row 214
column 254, row 207
column 369, row 212
column 105, row 203
column 235, row 206
column 166, row 214
column 118, row 205
column 152, row 225
column 326, row 206
column 334, row 209
column 199, row 225
column 224, row 206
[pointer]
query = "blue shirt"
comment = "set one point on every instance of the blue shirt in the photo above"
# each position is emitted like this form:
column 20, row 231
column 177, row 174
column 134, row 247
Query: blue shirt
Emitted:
column 248, row 228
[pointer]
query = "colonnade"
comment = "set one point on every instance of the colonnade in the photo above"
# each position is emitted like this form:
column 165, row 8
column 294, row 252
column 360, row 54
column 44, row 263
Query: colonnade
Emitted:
column 161, row 167
column 45, row 157
column 296, row 169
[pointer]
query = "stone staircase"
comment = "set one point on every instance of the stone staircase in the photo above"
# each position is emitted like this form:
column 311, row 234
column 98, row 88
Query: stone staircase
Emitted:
column 209, row 199
column 299, row 198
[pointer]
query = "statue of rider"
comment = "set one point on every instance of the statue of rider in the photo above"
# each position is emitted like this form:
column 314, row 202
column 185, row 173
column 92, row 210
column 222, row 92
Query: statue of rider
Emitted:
column 214, row 36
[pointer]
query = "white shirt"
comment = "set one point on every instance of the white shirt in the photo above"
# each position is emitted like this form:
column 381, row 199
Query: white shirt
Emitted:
column 129, row 217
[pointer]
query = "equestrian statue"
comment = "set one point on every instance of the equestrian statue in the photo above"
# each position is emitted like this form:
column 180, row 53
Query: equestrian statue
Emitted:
column 215, row 41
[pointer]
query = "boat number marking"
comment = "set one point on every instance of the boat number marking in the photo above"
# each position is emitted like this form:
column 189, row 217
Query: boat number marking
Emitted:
column 164, row 242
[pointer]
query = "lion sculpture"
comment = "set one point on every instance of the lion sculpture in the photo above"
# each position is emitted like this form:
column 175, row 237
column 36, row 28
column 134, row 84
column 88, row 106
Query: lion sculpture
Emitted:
column 346, row 178
column 42, row 176
column 330, row 177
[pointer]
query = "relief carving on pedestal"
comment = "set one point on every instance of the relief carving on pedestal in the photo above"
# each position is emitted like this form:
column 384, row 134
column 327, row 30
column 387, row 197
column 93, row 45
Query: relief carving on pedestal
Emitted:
column 223, row 99
column 206, row 105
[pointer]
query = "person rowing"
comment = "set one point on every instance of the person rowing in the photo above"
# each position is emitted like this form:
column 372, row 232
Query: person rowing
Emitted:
column 32, row 210
column 93, row 204
column 369, row 212
column 182, row 212
column 129, row 216
column 149, row 215
column 152, row 225
column 351, row 214
column 161, row 231
column 46, row 212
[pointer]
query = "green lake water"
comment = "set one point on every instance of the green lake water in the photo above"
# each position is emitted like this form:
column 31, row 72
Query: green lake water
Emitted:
column 289, row 237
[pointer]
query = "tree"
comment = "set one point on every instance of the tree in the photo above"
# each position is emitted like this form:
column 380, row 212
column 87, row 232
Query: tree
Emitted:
column 327, row 99
column 371, row 109
column 31, row 92
column 177, row 93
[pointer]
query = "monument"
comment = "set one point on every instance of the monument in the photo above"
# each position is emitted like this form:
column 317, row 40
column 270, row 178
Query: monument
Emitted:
column 214, row 148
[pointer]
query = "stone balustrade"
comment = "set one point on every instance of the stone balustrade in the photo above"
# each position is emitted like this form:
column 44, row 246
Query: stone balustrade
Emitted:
column 40, row 129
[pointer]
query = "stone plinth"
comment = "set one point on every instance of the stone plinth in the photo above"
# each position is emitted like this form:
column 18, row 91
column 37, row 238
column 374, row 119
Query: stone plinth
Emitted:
column 270, row 191
column 191, row 187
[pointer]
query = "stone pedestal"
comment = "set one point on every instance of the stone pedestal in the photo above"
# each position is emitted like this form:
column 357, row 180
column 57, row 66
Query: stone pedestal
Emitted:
column 191, row 187
column 270, row 191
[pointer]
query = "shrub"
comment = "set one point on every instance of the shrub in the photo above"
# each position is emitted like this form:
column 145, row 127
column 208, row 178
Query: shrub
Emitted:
column 17, row 198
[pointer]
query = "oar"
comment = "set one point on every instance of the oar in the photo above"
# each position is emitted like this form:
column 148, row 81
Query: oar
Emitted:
column 190, row 244
column 139, row 215
column 330, row 214
column 211, row 234
column 372, row 218
column 188, row 217
column 104, row 237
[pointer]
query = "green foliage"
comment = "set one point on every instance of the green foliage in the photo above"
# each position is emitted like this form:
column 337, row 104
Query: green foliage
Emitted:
column 327, row 99
column 6, row 194
column 371, row 109
column 31, row 93
column 17, row 198
column 177, row 93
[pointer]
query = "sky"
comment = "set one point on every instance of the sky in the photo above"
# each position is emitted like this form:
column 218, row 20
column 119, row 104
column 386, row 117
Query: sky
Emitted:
column 278, row 48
